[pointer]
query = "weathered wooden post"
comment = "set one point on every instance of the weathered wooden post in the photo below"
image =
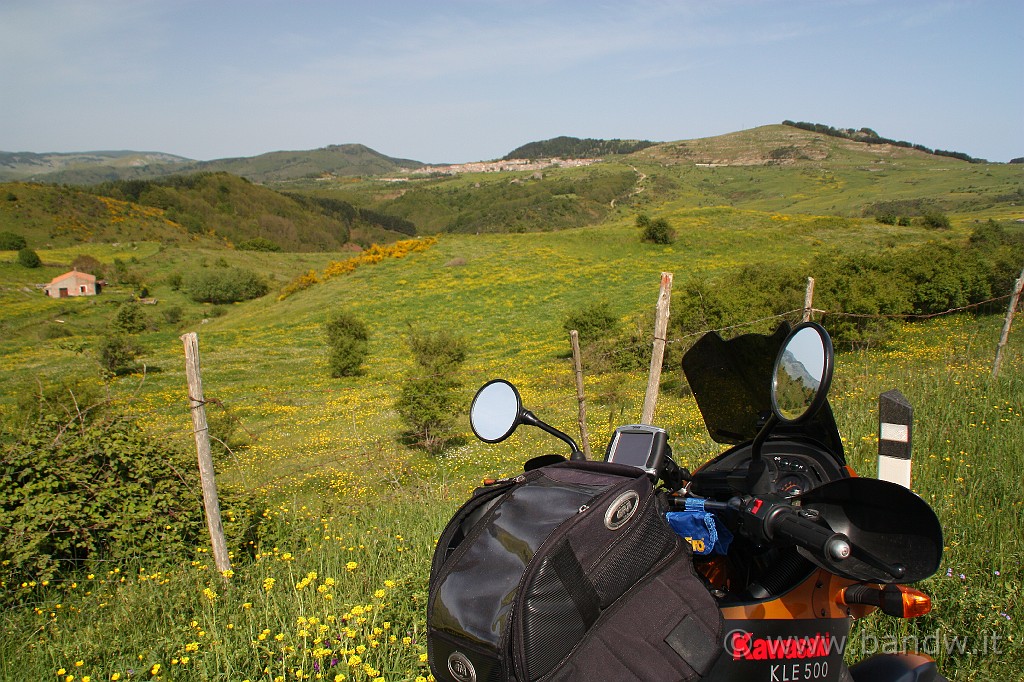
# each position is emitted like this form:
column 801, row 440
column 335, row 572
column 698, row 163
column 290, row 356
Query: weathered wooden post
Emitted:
column 202, row 433
column 574, row 338
column 809, row 300
column 1004, row 337
column 658, row 351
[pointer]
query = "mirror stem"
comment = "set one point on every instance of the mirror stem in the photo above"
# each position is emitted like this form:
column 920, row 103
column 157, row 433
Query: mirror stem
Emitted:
column 758, row 482
column 527, row 417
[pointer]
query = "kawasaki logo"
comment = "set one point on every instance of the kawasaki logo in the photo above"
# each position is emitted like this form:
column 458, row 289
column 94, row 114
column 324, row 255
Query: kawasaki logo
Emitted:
column 745, row 647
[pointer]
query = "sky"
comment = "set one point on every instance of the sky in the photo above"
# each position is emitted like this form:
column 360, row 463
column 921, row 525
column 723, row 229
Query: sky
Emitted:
column 452, row 81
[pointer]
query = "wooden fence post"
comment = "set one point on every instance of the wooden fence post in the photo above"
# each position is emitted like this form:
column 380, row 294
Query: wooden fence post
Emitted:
column 1004, row 337
column 574, row 338
column 202, row 434
column 809, row 300
column 658, row 351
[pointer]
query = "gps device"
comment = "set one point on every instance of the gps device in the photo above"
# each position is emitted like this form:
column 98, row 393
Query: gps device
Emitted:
column 639, row 445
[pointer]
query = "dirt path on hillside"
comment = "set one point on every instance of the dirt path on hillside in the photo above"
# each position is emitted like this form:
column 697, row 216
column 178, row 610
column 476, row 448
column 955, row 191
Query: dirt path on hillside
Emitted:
column 639, row 184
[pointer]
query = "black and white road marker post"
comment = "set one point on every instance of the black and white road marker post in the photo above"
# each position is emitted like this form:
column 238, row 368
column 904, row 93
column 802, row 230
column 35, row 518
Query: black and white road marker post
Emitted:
column 895, row 419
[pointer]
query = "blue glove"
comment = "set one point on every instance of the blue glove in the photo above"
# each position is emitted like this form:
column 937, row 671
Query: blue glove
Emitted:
column 700, row 528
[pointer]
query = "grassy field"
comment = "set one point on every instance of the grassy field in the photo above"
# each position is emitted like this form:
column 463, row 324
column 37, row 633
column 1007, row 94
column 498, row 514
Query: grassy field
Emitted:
column 336, row 586
column 339, row 585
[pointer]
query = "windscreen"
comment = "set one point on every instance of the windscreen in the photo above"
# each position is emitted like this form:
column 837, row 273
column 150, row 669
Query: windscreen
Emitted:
column 731, row 381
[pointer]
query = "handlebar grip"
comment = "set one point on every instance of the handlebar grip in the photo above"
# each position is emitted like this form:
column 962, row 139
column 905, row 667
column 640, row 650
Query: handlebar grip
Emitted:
column 788, row 524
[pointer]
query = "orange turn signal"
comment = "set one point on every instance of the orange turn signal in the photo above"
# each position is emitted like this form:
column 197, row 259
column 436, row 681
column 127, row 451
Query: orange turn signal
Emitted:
column 895, row 600
column 915, row 602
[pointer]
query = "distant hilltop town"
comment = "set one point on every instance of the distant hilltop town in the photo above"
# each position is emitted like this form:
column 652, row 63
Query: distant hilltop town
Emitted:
column 503, row 166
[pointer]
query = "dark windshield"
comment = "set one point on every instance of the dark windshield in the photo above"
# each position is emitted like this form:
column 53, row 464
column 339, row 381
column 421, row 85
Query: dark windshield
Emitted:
column 731, row 381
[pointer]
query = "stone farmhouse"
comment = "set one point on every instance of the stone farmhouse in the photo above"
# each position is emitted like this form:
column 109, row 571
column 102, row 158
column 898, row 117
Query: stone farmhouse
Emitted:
column 72, row 283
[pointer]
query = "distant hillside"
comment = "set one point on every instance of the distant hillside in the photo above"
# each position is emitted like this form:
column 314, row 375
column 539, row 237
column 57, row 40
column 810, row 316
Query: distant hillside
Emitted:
column 575, row 148
column 773, row 145
column 341, row 160
column 218, row 206
column 49, row 216
column 98, row 166
column 91, row 168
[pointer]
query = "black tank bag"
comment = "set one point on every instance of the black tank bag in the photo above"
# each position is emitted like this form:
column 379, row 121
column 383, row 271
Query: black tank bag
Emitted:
column 568, row 572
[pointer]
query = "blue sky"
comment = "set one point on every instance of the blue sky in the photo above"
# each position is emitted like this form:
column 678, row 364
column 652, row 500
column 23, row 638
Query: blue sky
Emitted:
column 462, row 80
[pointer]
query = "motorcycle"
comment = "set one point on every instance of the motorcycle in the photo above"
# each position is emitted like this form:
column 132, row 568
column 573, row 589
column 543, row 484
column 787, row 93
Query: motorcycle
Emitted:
column 789, row 541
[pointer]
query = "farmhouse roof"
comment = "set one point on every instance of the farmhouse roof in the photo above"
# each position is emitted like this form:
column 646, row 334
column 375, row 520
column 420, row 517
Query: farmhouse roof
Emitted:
column 74, row 273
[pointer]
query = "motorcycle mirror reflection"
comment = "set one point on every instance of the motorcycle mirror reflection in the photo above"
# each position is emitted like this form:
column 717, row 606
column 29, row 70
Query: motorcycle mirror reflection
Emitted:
column 803, row 372
column 496, row 411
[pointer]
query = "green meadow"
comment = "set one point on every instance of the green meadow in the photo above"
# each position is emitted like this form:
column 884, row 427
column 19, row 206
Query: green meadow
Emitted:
column 333, row 583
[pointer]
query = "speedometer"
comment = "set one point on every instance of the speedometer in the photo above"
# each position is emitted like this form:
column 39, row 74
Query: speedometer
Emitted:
column 791, row 485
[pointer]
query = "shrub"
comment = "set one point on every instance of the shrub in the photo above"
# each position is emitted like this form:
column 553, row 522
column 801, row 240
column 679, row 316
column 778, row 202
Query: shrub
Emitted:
column 656, row 231
column 258, row 244
column 129, row 318
column 117, row 353
column 594, row 322
column 10, row 241
column 347, row 344
column 172, row 315
column 597, row 326
column 54, row 331
column 28, row 258
column 430, row 396
column 88, row 487
column 936, row 220
column 174, row 281
column 303, row 281
column 226, row 285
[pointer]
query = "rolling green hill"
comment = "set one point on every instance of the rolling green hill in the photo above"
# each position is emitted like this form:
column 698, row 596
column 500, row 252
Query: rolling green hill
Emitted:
column 334, row 160
column 218, row 207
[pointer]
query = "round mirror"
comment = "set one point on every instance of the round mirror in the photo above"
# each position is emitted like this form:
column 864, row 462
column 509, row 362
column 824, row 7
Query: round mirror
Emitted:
column 495, row 411
column 803, row 371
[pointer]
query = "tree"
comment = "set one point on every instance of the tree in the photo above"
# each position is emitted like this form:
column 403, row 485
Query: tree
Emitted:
column 429, row 399
column 347, row 343
column 87, row 263
column 28, row 258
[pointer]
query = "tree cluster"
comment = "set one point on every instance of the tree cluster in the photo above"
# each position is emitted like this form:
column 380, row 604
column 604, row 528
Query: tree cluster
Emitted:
column 226, row 285
column 574, row 148
column 864, row 293
column 869, row 136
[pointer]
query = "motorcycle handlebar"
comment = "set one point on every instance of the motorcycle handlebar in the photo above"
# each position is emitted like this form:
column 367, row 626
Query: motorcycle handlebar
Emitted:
column 789, row 524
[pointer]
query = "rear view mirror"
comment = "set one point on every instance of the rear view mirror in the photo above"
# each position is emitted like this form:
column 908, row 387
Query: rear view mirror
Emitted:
column 803, row 372
column 496, row 411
